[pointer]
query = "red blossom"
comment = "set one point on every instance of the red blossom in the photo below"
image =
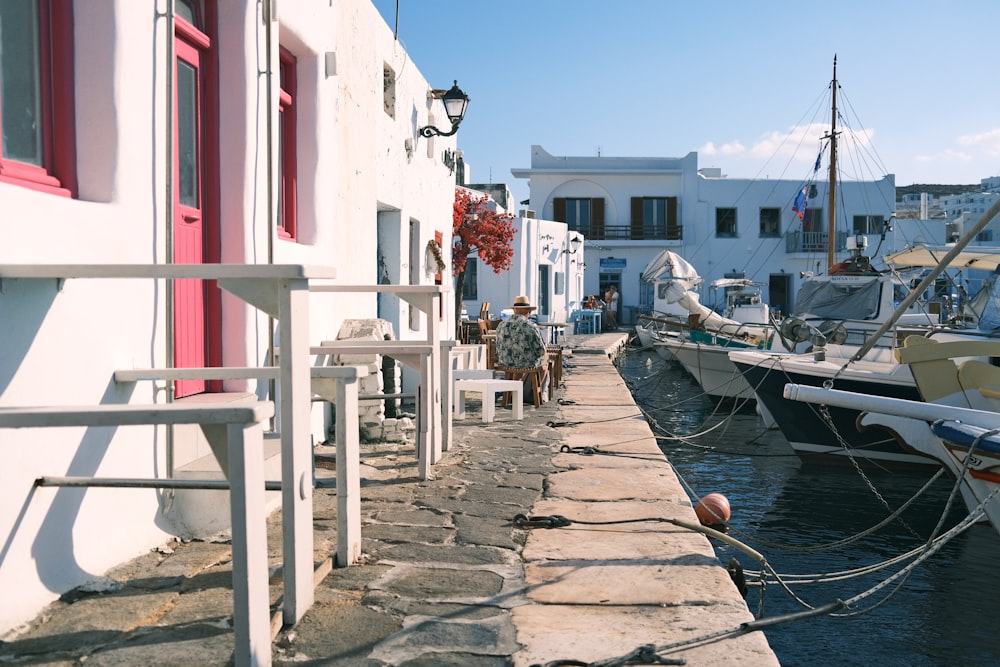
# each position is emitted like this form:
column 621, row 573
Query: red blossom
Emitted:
column 480, row 231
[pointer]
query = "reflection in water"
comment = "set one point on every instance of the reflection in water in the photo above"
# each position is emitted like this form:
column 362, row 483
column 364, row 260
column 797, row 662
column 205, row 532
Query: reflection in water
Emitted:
column 943, row 614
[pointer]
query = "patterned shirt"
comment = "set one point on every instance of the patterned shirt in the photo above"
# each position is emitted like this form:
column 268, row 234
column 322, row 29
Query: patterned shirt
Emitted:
column 519, row 343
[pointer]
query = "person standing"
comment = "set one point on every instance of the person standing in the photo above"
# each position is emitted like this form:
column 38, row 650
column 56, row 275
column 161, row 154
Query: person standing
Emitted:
column 519, row 343
column 611, row 299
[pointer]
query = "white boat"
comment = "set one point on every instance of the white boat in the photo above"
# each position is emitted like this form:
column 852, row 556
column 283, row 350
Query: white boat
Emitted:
column 703, row 348
column 957, row 424
column 744, row 322
column 872, row 369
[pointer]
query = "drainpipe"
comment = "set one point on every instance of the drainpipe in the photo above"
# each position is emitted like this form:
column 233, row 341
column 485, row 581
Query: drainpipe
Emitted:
column 267, row 15
column 169, row 180
column 169, row 235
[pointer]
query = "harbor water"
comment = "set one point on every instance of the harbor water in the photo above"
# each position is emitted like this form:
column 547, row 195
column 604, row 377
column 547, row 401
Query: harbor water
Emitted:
column 800, row 515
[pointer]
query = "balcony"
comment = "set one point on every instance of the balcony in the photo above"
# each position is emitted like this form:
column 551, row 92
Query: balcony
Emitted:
column 635, row 233
column 812, row 241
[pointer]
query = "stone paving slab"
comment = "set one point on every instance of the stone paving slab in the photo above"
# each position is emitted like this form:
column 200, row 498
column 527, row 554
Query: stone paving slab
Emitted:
column 592, row 633
column 612, row 531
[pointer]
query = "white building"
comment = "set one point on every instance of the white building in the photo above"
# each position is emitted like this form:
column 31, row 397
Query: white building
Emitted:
column 963, row 211
column 294, row 139
column 630, row 208
column 547, row 266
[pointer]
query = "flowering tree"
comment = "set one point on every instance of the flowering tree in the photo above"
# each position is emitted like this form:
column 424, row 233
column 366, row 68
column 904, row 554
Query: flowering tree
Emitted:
column 479, row 231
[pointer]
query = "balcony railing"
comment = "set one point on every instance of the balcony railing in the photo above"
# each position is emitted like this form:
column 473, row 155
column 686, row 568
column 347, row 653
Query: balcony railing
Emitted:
column 630, row 233
column 813, row 241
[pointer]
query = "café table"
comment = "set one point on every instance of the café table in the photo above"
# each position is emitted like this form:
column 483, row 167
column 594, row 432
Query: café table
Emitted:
column 281, row 291
column 437, row 394
column 592, row 319
column 557, row 328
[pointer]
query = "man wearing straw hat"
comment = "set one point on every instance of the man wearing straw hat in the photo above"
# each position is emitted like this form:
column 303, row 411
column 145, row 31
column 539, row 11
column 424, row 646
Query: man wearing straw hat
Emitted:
column 519, row 342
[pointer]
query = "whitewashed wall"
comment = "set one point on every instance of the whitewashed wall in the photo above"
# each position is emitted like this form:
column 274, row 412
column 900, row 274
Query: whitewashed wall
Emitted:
column 60, row 344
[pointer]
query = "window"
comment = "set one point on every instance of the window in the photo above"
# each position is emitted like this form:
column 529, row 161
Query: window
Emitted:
column 580, row 215
column 543, row 289
column 389, row 91
column 654, row 218
column 36, row 95
column 470, row 290
column 813, row 220
column 868, row 224
column 770, row 222
column 646, row 295
column 287, row 222
column 725, row 222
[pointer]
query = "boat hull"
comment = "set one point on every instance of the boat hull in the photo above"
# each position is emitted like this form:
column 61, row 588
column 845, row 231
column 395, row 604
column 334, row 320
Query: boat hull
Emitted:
column 710, row 366
column 805, row 426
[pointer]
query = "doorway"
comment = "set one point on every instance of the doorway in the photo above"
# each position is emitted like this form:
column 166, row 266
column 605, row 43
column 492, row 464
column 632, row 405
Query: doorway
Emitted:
column 196, row 303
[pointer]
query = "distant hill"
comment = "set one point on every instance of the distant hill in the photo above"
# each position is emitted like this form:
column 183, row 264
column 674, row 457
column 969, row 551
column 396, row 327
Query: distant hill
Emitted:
column 936, row 189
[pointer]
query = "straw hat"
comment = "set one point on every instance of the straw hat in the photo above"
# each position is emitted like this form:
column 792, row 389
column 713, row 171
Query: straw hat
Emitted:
column 522, row 302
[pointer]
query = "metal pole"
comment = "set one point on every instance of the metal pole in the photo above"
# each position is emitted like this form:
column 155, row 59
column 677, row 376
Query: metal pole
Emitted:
column 127, row 482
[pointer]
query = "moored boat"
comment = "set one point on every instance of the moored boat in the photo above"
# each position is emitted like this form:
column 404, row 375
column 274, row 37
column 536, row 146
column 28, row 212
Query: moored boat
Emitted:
column 955, row 425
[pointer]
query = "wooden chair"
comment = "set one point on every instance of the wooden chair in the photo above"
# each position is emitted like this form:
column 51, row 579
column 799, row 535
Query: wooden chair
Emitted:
column 536, row 375
column 484, row 311
column 555, row 367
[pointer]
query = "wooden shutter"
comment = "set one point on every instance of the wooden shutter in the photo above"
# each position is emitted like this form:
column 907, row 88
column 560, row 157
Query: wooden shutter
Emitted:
column 559, row 209
column 673, row 230
column 637, row 206
column 597, row 218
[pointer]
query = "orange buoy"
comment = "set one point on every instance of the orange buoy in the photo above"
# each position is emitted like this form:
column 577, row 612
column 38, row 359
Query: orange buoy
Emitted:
column 713, row 510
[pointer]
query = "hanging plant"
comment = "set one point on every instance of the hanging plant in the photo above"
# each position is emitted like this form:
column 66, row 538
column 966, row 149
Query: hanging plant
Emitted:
column 435, row 250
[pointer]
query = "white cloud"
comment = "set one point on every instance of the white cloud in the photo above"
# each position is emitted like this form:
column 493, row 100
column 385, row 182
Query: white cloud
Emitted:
column 803, row 142
column 948, row 155
column 986, row 142
column 729, row 148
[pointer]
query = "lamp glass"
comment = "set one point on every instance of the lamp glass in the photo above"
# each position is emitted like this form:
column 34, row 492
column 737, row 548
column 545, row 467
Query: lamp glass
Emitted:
column 455, row 102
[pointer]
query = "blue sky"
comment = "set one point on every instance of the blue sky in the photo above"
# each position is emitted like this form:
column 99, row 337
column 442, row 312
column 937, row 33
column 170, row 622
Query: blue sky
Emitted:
column 731, row 79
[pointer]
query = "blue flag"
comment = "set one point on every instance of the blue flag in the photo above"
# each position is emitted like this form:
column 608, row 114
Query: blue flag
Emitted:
column 800, row 202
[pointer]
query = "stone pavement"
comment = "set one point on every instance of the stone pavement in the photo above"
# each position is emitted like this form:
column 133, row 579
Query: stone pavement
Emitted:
column 449, row 576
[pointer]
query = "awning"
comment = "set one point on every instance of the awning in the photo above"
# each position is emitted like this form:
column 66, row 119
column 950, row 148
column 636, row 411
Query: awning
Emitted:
column 977, row 257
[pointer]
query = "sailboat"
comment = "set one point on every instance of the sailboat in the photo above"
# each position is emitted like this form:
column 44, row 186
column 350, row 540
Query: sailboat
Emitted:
column 846, row 325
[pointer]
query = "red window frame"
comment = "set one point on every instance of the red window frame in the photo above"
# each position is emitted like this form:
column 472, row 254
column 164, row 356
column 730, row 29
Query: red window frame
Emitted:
column 57, row 175
column 287, row 157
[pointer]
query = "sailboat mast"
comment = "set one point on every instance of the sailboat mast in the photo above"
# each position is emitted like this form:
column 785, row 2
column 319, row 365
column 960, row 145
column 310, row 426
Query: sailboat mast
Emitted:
column 831, row 240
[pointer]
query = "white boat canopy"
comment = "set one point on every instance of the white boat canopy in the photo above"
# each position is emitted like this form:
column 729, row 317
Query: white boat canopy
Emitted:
column 978, row 257
column 669, row 265
column 733, row 282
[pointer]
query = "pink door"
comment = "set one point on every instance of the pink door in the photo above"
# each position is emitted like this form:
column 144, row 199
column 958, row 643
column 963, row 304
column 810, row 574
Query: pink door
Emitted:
column 188, row 229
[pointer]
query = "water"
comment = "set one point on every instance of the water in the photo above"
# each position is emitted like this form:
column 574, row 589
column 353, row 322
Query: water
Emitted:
column 944, row 613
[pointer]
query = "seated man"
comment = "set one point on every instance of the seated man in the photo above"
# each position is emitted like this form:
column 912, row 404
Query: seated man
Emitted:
column 519, row 344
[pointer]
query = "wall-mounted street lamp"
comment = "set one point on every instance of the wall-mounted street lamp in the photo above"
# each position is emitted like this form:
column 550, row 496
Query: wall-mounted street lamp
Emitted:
column 455, row 103
column 575, row 242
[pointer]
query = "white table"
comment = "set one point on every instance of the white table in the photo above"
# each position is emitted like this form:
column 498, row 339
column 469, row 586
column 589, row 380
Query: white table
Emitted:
column 239, row 429
column 281, row 291
column 427, row 299
column 557, row 329
column 489, row 388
